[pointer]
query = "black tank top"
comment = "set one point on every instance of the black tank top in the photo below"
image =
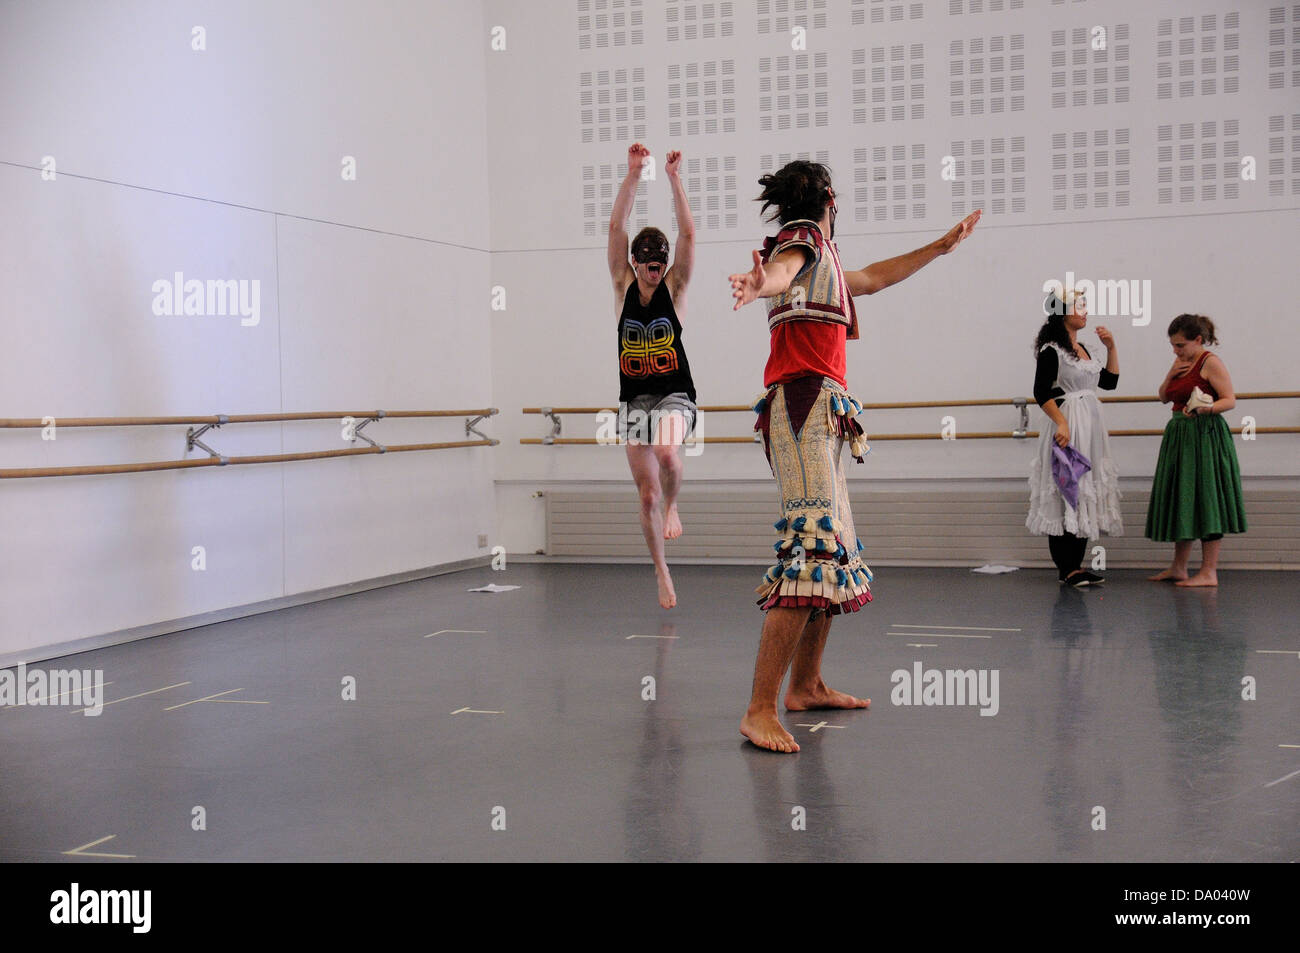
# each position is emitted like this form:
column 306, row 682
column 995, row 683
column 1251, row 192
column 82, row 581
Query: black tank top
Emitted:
column 651, row 359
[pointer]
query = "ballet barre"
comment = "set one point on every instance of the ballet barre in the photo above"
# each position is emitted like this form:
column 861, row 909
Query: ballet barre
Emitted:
column 353, row 421
column 1021, row 432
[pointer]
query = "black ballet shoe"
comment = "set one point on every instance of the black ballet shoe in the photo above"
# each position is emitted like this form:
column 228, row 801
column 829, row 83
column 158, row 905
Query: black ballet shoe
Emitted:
column 1081, row 579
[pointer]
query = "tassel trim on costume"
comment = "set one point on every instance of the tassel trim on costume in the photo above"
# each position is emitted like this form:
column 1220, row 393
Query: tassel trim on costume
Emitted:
column 807, row 593
column 821, row 584
column 843, row 408
column 819, row 571
column 818, row 535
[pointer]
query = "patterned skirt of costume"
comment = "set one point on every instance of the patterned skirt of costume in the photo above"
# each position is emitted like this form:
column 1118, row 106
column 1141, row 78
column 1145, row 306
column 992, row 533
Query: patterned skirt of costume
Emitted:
column 805, row 424
column 1196, row 490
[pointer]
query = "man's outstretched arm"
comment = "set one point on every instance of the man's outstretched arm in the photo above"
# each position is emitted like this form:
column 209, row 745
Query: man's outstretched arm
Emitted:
column 891, row 271
column 767, row 281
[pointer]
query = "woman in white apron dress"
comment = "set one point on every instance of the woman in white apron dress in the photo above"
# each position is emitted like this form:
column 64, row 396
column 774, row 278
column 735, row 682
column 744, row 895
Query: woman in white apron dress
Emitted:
column 1065, row 387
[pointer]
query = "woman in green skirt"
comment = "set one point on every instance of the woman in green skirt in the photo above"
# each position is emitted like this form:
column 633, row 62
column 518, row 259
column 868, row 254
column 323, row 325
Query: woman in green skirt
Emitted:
column 1196, row 492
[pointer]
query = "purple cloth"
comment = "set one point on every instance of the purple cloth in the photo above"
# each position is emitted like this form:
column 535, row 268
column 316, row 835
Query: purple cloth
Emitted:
column 1068, row 466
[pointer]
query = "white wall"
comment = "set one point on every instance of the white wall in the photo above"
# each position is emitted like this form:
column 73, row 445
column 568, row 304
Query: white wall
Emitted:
column 225, row 164
column 471, row 161
column 961, row 328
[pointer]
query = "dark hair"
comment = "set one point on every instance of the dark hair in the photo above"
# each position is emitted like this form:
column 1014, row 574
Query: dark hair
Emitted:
column 1053, row 332
column 1194, row 326
column 648, row 231
column 797, row 190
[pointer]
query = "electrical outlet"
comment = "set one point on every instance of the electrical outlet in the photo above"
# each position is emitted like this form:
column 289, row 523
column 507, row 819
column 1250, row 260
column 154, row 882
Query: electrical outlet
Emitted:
column 482, row 540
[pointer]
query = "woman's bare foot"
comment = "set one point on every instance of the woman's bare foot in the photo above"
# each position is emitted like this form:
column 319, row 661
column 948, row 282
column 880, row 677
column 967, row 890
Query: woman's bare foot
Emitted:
column 822, row 697
column 1202, row 578
column 765, row 731
column 1168, row 575
column 667, row 594
column 672, row 523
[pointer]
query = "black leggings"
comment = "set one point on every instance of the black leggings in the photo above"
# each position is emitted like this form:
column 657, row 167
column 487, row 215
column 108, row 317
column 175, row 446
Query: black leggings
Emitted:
column 1067, row 552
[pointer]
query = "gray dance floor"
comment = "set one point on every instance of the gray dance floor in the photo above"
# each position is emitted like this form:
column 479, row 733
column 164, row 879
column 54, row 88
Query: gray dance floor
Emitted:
column 516, row 727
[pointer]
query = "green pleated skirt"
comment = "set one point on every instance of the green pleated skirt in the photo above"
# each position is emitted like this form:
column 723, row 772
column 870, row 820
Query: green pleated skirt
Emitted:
column 1196, row 491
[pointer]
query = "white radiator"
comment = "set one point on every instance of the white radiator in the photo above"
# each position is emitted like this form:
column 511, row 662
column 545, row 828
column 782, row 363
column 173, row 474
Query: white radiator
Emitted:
column 939, row 527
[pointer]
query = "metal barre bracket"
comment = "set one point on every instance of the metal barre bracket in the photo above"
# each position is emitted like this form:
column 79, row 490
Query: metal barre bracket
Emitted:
column 555, row 425
column 471, row 426
column 356, row 432
column 192, row 439
column 1022, row 428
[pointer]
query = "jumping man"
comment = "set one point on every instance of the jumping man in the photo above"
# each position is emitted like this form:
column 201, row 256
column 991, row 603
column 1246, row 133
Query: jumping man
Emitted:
column 656, row 394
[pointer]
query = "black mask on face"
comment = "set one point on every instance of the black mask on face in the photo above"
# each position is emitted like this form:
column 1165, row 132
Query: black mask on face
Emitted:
column 833, row 211
column 650, row 248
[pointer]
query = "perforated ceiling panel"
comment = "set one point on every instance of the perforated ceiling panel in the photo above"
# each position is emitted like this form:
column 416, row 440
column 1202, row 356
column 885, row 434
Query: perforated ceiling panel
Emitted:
column 692, row 20
column 711, row 188
column 1036, row 112
column 986, row 75
column 610, row 23
column 890, row 183
column 1284, row 47
column 892, row 88
column 1091, row 169
column 599, row 186
column 882, row 11
column 794, row 92
column 1284, row 155
column 1198, row 56
column 780, row 16
column 701, row 98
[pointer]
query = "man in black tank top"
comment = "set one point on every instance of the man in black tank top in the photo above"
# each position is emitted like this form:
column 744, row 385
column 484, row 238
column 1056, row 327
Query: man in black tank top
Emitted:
column 656, row 394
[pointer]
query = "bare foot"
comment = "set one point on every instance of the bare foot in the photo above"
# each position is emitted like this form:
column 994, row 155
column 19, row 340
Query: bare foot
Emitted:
column 672, row 523
column 822, row 697
column 1202, row 578
column 667, row 594
column 765, row 731
column 1168, row 575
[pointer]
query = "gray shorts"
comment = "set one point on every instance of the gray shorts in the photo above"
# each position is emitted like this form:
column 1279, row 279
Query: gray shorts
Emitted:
column 656, row 418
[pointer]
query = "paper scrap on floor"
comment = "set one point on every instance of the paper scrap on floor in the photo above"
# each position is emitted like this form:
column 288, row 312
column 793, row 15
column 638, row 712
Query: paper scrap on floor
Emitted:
column 492, row 587
column 994, row 570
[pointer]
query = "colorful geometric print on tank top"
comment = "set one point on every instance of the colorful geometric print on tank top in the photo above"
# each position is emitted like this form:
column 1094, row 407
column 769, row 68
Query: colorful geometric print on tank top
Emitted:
column 651, row 358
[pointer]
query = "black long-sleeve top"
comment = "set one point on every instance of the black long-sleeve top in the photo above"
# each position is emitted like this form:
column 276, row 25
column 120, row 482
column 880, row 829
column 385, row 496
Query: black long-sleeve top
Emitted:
column 1049, row 365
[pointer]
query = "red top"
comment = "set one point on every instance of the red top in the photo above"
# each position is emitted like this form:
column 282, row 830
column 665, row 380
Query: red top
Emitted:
column 805, row 349
column 1180, row 388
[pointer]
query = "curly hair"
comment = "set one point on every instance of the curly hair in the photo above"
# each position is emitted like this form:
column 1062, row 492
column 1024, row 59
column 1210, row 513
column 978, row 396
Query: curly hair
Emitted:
column 797, row 190
column 1053, row 331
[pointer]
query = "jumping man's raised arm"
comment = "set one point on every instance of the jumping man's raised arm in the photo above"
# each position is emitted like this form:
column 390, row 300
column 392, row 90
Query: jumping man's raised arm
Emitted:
column 620, row 272
column 679, row 275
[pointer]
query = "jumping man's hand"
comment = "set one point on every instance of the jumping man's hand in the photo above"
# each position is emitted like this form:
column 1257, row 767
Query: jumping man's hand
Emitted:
column 674, row 160
column 959, row 231
column 745, row 287
column 636, row 155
